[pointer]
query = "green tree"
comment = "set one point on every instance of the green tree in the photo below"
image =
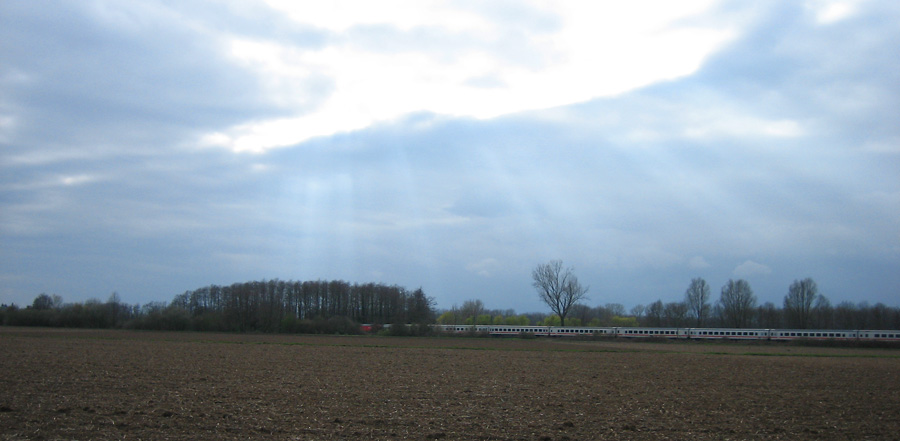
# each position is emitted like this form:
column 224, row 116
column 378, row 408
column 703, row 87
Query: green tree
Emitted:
column 470, row 311
column 552, row 320
column 521, row 320
column 623, row 322
column 447, row 318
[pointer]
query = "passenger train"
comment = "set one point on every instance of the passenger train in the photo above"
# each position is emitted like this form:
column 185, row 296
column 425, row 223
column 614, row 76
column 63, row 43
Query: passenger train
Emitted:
column 676, row 333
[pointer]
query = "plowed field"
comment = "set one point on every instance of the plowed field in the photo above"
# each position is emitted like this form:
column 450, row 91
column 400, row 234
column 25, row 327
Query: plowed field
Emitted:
column 76, row 384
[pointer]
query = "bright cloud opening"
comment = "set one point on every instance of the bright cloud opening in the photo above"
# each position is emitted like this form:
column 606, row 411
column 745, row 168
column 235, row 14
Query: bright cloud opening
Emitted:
column 474, row 63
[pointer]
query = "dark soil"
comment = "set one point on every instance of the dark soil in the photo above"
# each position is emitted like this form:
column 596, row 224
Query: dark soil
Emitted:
column 75, row 384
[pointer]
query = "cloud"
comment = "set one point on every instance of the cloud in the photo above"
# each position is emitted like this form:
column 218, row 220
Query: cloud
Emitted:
column 698, row 262
column 440, row 58
column 751, row 268
column 484, row 267
column 829, row 12
column 772, row 142
column 111, row 79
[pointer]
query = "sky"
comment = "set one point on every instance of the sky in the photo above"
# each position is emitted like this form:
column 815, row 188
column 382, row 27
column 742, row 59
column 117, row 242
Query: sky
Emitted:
column 149, row 148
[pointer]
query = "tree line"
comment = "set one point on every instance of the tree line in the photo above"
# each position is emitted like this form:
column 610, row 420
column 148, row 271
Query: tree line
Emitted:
column 260, row 306
column 803, row 307
column 845, row 315
column 736, row 307
column 339, row 307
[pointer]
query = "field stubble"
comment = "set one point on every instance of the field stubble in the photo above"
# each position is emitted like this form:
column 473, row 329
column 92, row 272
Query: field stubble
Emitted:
column 70, row 384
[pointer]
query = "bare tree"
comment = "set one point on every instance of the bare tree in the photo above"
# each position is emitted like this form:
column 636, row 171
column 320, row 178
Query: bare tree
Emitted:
column 582, row 313
column 823, row 313
column 845, row 316
column 738, row 303
column 472, row 309
column 675, row 314
column 655, row 313
column 615, row 309
column 558, row 288
column 638, row 312
column 768, row 316
column 697, row 300
column 798, row 302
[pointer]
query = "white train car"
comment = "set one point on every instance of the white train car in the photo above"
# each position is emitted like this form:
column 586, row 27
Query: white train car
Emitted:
column 677, row 333
column 514, row 330
column 727, row 333
column 879, row 335
column 576, row 331
column 495, row 329
column 650, row 332
column 836, row 334
column 813, row 334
